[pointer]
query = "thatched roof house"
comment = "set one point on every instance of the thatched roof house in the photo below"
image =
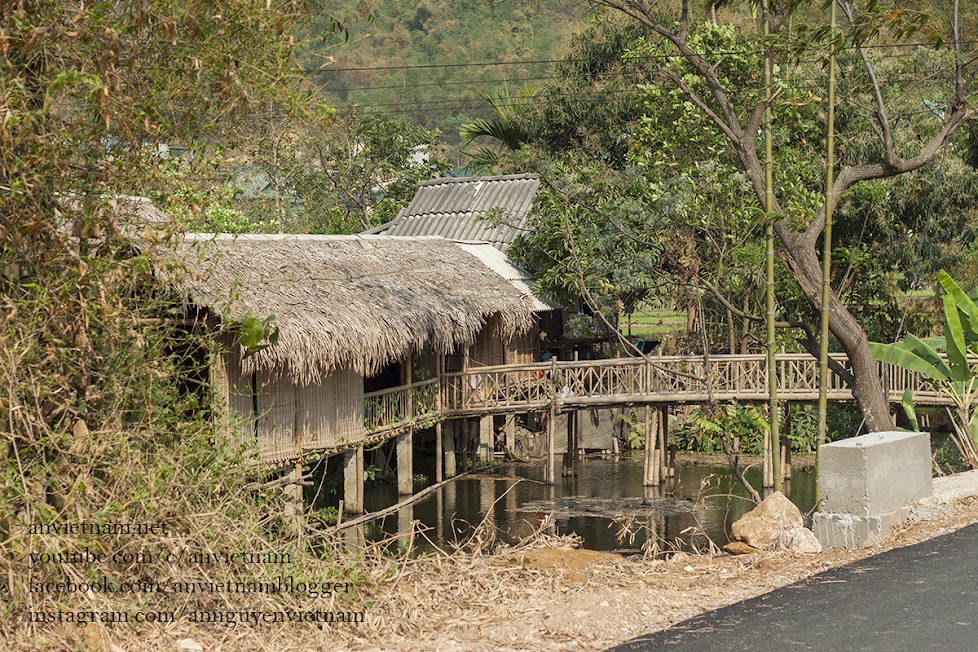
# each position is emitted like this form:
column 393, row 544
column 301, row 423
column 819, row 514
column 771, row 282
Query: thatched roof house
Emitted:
column 350, row 302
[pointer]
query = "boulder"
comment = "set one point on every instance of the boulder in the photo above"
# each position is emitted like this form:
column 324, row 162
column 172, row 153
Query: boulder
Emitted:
column 762, row 526
column 800, row 539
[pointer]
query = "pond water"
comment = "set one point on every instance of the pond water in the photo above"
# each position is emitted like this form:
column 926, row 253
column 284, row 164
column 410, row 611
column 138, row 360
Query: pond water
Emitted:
column 701, row 501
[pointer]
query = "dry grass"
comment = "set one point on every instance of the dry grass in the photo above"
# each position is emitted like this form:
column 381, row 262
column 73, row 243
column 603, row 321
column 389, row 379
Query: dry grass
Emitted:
column 482, row 595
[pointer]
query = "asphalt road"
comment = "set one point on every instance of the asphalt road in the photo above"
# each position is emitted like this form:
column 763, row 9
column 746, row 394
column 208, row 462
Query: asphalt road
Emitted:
column 922, row 597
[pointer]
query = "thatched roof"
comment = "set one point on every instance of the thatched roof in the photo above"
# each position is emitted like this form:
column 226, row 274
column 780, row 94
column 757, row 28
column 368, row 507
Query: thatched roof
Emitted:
column 348, row 301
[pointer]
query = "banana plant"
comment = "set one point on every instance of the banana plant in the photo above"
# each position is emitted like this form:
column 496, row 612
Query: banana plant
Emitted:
column 944, row 362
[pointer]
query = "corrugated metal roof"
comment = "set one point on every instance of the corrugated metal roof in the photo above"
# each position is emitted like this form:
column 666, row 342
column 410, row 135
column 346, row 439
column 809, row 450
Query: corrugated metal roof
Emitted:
column 518, row 277
column 455, row 208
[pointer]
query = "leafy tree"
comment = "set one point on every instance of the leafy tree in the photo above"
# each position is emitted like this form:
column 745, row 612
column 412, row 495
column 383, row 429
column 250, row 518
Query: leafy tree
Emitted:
column 103, row 416
column 576, row 245
column 356, row 172
column 874, row 109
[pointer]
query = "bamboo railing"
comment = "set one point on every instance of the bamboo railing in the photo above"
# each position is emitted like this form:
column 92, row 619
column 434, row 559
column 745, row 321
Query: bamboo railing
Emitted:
column 400, row 407
column 620, row 381
column 674, row 379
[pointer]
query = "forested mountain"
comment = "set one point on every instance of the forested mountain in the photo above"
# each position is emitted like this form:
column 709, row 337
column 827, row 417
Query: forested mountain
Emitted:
column 427, row 62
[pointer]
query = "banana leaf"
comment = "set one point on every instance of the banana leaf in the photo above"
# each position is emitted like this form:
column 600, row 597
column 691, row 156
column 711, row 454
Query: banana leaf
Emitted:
column 898, row 354
column 957, row 351
column 909, row 410
column 963, row 303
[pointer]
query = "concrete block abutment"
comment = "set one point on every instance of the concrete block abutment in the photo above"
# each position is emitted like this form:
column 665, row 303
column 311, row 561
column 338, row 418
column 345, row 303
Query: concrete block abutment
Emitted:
column 867, row 485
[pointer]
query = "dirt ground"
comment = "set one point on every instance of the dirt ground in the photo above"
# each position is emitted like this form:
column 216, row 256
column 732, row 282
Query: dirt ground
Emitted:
column 553, row 598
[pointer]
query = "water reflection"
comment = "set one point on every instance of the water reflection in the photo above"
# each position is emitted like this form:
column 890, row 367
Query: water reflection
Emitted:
column 604, row 497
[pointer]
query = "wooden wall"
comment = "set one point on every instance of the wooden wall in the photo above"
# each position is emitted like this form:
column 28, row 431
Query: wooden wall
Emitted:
column 289, row 418
column 490, row 349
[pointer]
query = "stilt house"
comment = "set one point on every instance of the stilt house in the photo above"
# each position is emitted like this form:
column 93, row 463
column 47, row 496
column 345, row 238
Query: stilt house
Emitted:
column 365, row 325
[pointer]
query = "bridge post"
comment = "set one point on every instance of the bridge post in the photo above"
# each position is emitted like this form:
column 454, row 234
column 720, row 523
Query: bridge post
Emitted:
column 486, row 439
column 510, row 431
column 439, row 455
column 405, row 463
column 549, row 471
column 660, row 427
column 353, row 481
column 650, row 476
column 570, row 456
column 447, row 452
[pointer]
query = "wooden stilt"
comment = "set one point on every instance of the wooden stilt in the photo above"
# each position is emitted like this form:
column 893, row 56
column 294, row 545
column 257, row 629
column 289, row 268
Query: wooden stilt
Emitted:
column 510, row 433
column 671, row 448
column 462, row 441
column 648, row 475
column 549, row 471
column 440, row 515
column 405, row 521
column 439, row 427
column 578, row 448
column 439, row 453
column 353, row 481
column 570, row 456
column 405, row 463
column 663, row 471
column 448, row 449
column 486, row 439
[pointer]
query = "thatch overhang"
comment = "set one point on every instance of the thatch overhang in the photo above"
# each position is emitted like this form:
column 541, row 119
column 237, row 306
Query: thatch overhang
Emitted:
column 347, row 301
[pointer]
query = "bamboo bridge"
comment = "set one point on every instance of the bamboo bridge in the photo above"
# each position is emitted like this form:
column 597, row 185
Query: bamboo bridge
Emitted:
column 461, row 406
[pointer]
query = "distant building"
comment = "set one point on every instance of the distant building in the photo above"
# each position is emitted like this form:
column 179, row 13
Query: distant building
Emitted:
column 468, row 209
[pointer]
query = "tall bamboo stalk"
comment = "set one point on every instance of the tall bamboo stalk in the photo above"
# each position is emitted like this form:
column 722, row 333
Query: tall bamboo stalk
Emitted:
column 823, row 365
column 774, row 413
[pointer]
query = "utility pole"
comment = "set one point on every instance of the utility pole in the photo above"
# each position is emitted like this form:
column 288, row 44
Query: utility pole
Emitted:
column 823, row 358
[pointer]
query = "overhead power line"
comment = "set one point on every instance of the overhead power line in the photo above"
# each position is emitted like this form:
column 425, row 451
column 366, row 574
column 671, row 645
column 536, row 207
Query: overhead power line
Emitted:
column 528, row 62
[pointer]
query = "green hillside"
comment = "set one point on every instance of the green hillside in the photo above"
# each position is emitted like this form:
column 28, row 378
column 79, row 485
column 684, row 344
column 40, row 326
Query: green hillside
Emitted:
column 427, row 62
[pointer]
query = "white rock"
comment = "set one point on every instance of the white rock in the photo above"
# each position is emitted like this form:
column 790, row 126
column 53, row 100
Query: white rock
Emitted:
column 762, row 526
column 800, row 539
column 189, row 645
